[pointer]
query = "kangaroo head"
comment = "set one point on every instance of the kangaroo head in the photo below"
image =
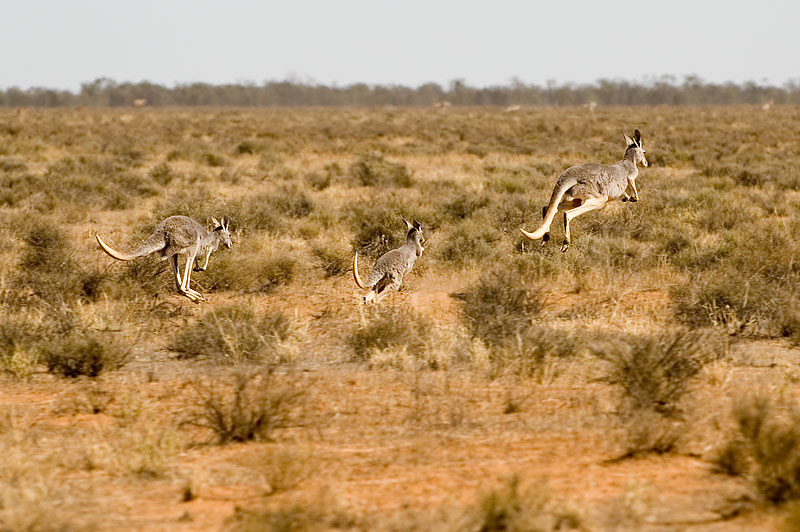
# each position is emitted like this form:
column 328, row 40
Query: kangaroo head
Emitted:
column 224, row 233
column 415, row 236
column 635, row 148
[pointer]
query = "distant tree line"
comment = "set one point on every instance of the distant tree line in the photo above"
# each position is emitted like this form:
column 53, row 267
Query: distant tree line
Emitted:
column 666, row 90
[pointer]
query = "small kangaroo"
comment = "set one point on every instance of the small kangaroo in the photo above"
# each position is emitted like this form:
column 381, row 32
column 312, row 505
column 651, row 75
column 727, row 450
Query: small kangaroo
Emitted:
column 587, row 187
column 180, row 235
column 388, row 271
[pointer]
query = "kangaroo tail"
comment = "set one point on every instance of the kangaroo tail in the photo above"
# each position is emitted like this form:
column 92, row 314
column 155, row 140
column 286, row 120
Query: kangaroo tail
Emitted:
column 149, row 246
column 355, row 273
column 552, row 208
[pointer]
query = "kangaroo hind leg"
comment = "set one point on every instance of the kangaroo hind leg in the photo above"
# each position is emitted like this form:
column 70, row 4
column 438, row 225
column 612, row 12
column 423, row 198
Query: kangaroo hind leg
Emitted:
column 588, row 205
column 546, row 237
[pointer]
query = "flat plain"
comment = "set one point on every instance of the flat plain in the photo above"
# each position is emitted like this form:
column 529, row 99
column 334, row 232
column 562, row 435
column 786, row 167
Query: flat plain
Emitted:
column 644, row 380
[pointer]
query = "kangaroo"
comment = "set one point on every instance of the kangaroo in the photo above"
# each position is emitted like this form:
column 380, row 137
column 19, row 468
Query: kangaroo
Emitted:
column 180, row 235
column 388, row 271
column 587, row 187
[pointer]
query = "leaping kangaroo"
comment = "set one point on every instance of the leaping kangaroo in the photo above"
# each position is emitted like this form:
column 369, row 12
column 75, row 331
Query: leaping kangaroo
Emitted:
column 180, row 235
column 587, row 187
column 388, row 271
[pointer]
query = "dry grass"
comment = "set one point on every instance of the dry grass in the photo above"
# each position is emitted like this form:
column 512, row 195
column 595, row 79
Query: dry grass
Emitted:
column 482, row 367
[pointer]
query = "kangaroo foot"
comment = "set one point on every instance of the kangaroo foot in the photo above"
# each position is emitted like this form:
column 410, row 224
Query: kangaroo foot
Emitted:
column 196, row 294
column 545, row 238
column 194, row 298
column 564, row 246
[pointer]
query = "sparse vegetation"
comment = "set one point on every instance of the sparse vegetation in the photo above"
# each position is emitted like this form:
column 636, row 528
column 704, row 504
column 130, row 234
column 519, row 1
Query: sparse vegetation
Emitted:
column 499, row 306
column 389, row 328
column 78, row 354
column 654, row 373
column 765, row 448
column 232, row 334
column 411, row 409
column 251, row 407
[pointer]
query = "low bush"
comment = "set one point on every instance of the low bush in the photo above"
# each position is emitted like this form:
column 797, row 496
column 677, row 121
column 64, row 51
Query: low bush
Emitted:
column 334, row 257
column 233, row 333
column 18, row 335
column 80, row 354
column 48, row 267
column 654, row 373
column 469, row 243
column 249, row 408
column 527, row 353
column 766, row 448
column 499, row 306
column 511, row 509
column 375, row 171
column 389, row 328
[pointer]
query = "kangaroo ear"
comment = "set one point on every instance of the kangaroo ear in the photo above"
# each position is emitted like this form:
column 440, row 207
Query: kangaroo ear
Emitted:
column 628, row 140
column 417, row 225
column 215, row 222
column 408, row 225
column 638, row 136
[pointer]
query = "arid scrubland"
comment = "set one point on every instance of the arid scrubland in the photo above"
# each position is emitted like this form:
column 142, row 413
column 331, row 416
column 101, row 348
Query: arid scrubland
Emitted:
column 645, row 380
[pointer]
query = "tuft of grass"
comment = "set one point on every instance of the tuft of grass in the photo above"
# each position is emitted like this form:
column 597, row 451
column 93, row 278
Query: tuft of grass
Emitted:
column 256, row 270
column 471, row 242
column 79, row 354
column 510, row 509
column 334, row 257
column 766, row 448
column 214, row 160
column 249, row 408
column 249, row 147
column 654, row 373
column 48, row 268
column 162, row 174
column 528, row 353
column 386, row 328
column 375, row 171
column 499, row 306
column 317, row 515
column 233, row 333
column 18, row 354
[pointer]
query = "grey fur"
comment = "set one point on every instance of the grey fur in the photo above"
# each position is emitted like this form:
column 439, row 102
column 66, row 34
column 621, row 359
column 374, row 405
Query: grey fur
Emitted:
column 587, row 187
column 179, row 235
column 389, row 270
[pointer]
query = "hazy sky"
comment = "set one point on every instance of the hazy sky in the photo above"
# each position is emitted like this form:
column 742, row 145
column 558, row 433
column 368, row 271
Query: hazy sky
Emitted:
column 63, row 43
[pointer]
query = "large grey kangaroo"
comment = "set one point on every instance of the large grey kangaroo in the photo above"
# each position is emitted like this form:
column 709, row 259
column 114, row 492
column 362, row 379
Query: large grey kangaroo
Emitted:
column 388, row 271
column 587, row 187
column 180, row 235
